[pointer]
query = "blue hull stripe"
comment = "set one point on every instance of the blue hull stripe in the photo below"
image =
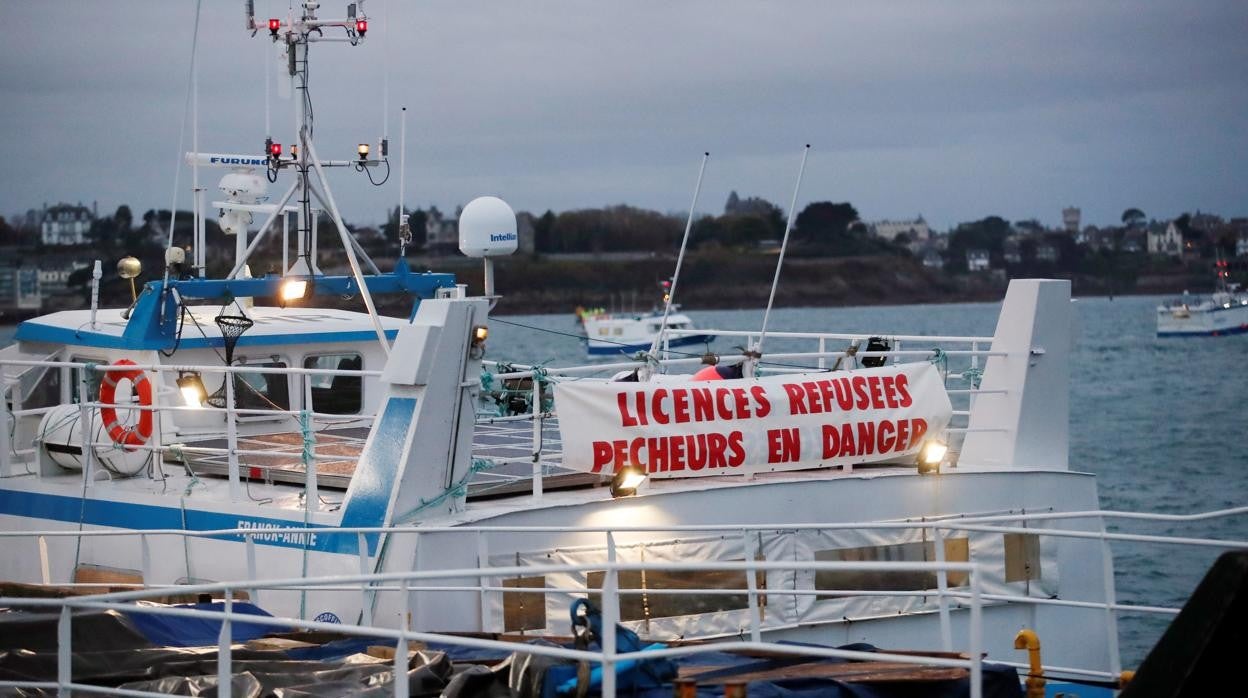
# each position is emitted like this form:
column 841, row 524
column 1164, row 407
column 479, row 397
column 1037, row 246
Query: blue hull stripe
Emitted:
column 35, row 332
column 147, row 517
column 624, row 348
column 372, row 485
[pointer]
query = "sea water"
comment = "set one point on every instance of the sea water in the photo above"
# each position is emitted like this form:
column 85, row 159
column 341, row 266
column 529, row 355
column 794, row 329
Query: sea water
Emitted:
column 1162, row 422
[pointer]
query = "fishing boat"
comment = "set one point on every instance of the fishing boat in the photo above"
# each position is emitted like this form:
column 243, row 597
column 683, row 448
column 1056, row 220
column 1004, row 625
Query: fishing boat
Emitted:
column 913, row 494
column 1223, row 312
column 608, row 333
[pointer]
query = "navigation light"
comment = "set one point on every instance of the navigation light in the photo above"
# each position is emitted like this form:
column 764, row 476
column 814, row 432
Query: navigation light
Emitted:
column 275, row 149
column 274, row 25
column 361, row 26
column 362, row 149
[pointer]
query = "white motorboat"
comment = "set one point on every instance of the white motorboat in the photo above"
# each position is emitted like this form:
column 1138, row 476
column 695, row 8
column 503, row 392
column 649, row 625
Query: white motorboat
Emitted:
column 1223, row 312
column 627, row 333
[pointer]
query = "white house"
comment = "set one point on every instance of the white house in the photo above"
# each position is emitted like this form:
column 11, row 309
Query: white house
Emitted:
column 916, row 231
column 65, row 224
column 1165, row 240
column 977, row 260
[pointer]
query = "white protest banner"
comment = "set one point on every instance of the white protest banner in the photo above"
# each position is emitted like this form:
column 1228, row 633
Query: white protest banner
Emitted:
column 693, row 428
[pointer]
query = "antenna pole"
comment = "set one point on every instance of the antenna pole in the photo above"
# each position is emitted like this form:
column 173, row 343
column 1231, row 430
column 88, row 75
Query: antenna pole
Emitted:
column 680, row 258
column 403, row 226
column 385, row 75
column 757, row 351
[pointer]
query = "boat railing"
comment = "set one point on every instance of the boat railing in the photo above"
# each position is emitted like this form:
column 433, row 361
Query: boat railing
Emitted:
column 529, row 436
column 1095, row 526
column 960, row 359
column 308, row 421
column 608, row 656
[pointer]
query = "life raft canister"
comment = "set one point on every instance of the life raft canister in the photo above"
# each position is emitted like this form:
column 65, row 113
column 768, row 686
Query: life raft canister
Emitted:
column 127, row 436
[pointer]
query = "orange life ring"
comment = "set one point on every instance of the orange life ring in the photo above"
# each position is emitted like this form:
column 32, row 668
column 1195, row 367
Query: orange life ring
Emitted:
column 128, row 436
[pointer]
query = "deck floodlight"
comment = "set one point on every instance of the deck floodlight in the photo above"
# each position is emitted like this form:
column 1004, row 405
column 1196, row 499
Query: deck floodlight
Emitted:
column 294, row 289
column 626, row 481
column 931, row 455
column 479, row 334
column 191, row 385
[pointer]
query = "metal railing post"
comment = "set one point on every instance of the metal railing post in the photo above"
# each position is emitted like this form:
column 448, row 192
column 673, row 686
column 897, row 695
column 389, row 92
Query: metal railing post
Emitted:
column 145, row 556
column 823, row 347
column 45, row 568
column 231, row 436
column 483, row 580
column 610, row 617
column 6, row 446
column 1111, row 598
column 64, row 653
column 537, row 437
column 975, row 632
column 970, row 402
column 400, row 647
column 942, row 588
column 224, row 641
column 751, row 584
column 84, row 422
column 366, row 596
column 250, row 542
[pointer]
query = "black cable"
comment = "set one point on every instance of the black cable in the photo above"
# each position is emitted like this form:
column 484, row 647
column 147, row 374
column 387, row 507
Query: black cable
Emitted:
column 366, row 170
column 178, row 337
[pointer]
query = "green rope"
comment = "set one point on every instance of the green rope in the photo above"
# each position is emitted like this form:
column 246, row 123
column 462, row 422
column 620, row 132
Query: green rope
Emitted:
column 309, row 437
column 973, row 376
column 941, row 361
column 459, row 489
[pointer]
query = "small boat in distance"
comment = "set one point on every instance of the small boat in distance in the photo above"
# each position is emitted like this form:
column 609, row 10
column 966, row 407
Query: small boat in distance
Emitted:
column 1223, row 312
column 626, row 333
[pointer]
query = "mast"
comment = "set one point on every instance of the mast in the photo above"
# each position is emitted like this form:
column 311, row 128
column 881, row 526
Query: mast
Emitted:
column 298, row 33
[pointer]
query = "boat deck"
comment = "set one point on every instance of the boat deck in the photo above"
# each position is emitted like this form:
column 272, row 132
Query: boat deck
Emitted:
column 508, row 445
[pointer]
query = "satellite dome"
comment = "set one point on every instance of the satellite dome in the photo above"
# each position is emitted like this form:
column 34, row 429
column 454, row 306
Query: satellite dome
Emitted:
column 487, row 227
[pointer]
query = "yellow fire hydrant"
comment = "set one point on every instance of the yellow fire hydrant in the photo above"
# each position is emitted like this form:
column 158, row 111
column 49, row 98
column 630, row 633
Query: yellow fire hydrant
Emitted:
column 1028, row 640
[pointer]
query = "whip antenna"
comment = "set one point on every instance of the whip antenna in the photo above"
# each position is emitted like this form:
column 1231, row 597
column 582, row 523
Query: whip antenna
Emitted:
column 784, row 244
column 680, row 258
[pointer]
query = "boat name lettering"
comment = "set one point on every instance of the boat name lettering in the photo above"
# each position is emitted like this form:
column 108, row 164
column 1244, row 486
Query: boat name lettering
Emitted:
column 276, row 533
column 236, row 161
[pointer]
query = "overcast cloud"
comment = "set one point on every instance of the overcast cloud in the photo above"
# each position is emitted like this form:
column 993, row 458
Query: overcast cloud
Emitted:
column 954, row 110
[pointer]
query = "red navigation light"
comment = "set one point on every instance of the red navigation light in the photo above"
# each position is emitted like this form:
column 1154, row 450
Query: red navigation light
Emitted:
column 274, row 25
column 361, row 26
column 275, row 150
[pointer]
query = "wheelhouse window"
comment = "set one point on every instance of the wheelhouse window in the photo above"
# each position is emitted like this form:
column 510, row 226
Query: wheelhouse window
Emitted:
column 262, row 391
column 956, row 550
column 333, row 394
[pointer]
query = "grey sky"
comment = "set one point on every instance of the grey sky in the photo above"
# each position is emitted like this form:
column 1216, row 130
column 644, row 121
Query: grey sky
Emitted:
column 955, row 110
